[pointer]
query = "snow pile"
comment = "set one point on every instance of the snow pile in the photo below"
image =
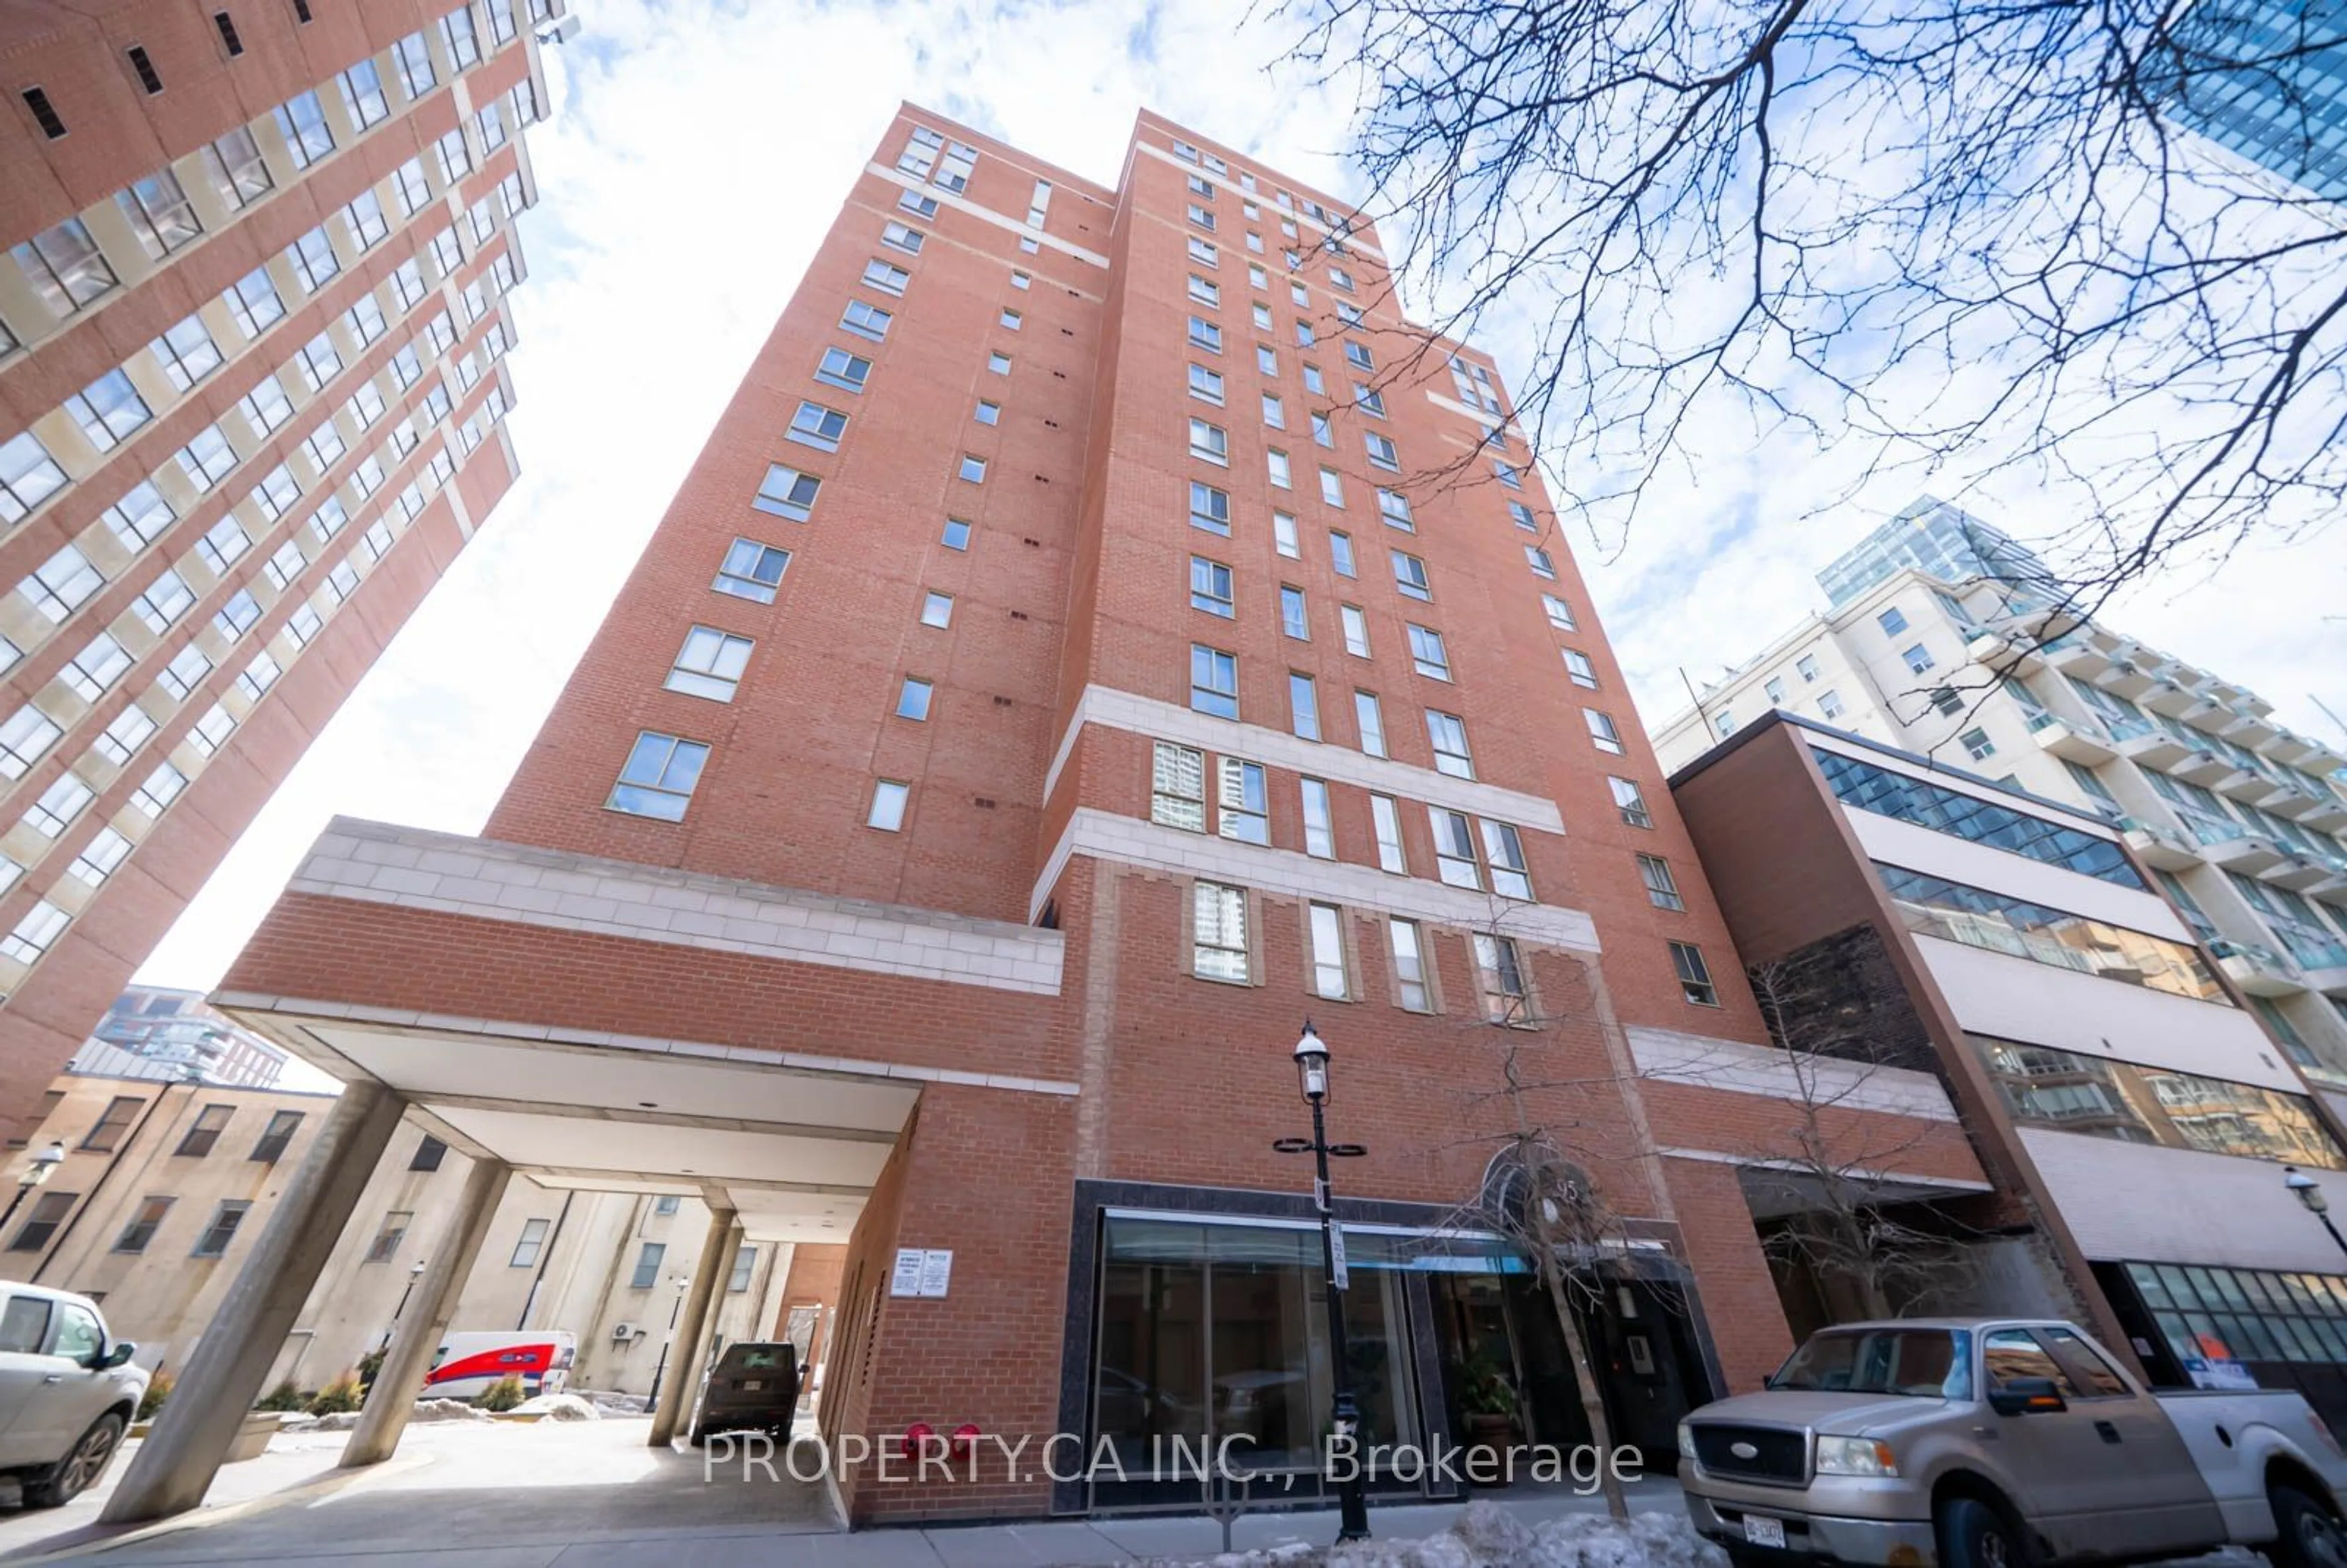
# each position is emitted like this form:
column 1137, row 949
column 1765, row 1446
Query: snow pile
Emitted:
column 1486, row 1536
column 446, row 1410
column 618, row 1404
column 558, row 1408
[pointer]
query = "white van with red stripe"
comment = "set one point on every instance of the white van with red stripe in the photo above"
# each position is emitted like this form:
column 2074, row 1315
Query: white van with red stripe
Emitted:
column 469, row 1362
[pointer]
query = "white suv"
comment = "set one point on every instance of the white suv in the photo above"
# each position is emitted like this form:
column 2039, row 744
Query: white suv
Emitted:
column 67, row 1392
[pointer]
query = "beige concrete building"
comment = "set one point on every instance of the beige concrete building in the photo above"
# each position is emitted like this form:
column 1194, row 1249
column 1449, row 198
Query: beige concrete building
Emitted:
column 164, row 1188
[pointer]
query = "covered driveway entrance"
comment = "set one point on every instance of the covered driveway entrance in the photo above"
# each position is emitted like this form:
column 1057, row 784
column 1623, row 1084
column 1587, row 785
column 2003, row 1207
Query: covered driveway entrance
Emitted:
column 781, row 1149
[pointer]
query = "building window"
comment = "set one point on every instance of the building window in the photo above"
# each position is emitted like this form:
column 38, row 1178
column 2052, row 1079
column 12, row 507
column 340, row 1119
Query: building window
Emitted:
column 1892, row 620
column 1868, row 787
column 1579, row 670
column 889, row 798
column 1538, row 560
column 1371, row 719
column 215, row 1241
column 428, row 1154
column 1213, row 682
column 745, row 1263
column 29, row 476
column 817, row 426
column 1209, row 508
column 1807, row 666
column 1340, row 553
column 1405, row 943
column 1977, row 745
column 1304, row 706
column 1409, row 577
column 120, row 1111
column 871, row 321
column 43, row 923
column 1219, row 933
column 913, row 698
column 710, row 665
column 956, row 536
column 1210, row 587
column 1293, row 621
column 1332, row 488
column 1276, row 468
column 42, row 1220
column 1319, row 832
column 1499, row 968
column 385, row 1246
column 1246, row 806
column 531, row 1242
column 936, row 610
column 1356, row 627
column 886, row 277
column 205, row 1131
column 1428, row 654
column 1385, row 815
column 1454, row 849
column 1382, row 454
column 665, row 1206
column 1448, row 733
column 1695, row 975
column 1919, row 658
column 62, row 584
column 1601, row 732
column 108, row 409
column 1177, row 791
column 1829, row 704
column 2068, row 1093
column 846, row 370
column 143, row 1224
column 647, row 1266
column 1934, row 906
column 658, row 778
column 972, row 469
column 752, row 571
column 1394, row 507
column 1326, row 923
column 282, row 1125
column 1503, row 849
column 1210, row 443
column 1662, row 890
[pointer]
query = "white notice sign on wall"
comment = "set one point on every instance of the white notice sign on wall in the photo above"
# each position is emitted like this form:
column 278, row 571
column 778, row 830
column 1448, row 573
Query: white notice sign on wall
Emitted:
column 921, row 1272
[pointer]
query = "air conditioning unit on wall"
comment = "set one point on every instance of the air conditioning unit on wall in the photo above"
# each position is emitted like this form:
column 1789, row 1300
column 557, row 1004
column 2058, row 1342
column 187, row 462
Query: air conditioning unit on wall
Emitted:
column 622, row 1331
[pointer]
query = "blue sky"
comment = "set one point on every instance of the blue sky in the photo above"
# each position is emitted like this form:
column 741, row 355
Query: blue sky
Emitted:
column 696, row 154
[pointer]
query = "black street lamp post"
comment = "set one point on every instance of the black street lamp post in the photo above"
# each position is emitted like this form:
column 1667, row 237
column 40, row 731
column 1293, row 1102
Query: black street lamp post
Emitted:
column 2307, row 1190
column 1352, row 1495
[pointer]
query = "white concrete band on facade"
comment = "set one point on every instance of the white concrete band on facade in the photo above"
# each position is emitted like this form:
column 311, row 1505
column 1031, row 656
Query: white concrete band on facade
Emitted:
column 1114, row 709
column 1670, row 1056
column 1284, row 873
column 944, row 197
column 452, row 873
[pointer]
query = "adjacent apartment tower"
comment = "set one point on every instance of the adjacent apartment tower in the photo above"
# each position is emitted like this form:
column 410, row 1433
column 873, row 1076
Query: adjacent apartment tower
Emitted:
column 1099, row 636
column 252, row 403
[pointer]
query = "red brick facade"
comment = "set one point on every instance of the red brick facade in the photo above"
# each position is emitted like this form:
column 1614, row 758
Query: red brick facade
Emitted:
column 444, row 394
column 1064, row 664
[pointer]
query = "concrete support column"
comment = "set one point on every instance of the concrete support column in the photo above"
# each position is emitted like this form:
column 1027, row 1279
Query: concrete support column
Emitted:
column 392, row 1399
column 684, row 1360
column 176, row 1464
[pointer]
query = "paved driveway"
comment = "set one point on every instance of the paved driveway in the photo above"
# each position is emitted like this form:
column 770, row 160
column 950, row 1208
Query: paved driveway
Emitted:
column 488, row 1496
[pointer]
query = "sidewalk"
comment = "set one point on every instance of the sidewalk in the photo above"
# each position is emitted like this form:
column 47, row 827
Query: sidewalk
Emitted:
column 591, row 1495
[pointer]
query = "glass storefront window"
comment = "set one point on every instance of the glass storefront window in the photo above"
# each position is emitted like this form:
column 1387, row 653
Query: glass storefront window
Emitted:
column 1211, row 1332
column 2244, row 1315
column 1935, row 907
column 2063, row 1090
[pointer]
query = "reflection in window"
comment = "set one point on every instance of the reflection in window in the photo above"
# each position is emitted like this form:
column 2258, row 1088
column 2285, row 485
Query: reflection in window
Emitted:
column 1934, row 906
column 1880, row 790
column 2047, row 1088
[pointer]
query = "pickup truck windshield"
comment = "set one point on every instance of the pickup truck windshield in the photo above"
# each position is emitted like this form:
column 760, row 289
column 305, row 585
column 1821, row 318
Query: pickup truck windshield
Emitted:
column 1931, row 1363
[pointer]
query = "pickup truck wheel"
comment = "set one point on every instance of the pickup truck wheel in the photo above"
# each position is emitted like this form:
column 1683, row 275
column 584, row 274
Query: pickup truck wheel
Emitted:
column 1974, row 1535
column 2306, row 1534
column 83, row 1464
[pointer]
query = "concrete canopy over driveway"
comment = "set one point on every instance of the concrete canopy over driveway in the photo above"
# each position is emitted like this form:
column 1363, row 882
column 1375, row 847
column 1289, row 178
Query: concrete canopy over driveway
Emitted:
column 791, row 1148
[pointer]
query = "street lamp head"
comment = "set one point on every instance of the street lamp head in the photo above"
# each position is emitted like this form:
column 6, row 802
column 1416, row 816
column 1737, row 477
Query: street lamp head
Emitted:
column 41, row 1166
column 2305, row 1188
column 415, row 1270
column 1312, row 1062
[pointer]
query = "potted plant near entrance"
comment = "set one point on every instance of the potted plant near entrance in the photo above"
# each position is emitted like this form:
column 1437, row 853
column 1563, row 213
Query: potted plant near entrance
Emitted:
column 1488, row 1402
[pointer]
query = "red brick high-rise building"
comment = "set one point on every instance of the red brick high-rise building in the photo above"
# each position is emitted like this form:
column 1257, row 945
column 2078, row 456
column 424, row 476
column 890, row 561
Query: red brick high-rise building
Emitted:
column 1100, row 635
column 252, row 394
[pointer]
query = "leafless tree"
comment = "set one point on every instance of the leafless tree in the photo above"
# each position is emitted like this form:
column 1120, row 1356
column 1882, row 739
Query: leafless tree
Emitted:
column 1829, row 1158
column 1541, row 1104
column 1962, row 239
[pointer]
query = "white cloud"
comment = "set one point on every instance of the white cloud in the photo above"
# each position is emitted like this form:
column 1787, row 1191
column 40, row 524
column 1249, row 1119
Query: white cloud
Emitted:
column 697, row 154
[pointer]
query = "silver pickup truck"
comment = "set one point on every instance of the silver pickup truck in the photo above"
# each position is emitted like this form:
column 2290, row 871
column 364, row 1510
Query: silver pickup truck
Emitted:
column 2000, row 1443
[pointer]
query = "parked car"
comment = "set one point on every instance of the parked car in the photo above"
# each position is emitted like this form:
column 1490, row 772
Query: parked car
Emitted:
column 469, row 1360
column 68, row 1389
column 754, row 1387
column 1996, row 1442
